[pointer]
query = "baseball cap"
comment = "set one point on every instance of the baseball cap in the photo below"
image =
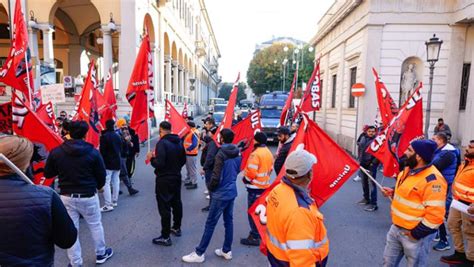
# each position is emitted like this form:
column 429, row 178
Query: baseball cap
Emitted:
column 299, row 163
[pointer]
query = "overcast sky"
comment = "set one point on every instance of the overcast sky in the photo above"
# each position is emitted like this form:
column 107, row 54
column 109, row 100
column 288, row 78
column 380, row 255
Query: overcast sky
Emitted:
column 240, row 25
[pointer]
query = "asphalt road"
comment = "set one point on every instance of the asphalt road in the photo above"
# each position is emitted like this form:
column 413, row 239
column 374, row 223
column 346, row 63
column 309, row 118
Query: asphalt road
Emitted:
column 357, row 237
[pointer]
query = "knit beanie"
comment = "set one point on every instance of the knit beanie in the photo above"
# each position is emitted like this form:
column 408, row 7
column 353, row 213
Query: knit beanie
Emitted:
column 261, row 138
column 18, row 150
column 425, row 149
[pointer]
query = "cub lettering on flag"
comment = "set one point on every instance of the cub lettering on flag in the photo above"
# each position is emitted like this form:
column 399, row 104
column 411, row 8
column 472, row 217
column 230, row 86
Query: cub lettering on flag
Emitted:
column 178, row 124
column 312, row 96
column 333, row 169
column 46, row 114
column 244, row 135
column 388, row 108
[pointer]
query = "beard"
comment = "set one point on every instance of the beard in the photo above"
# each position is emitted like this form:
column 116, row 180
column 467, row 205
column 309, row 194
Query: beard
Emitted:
column 411, row 161
column 469, row 155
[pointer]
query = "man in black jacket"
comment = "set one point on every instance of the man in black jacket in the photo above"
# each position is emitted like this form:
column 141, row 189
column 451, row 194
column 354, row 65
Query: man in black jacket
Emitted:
column 369, row 162
column 81, row 172
column 286, row 140
column 168, row 160
column 33, row 212
column 210, row 153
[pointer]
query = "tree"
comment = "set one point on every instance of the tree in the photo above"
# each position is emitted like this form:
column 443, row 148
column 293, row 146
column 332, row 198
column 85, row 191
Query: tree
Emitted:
column 265, row 72
column 226, row 88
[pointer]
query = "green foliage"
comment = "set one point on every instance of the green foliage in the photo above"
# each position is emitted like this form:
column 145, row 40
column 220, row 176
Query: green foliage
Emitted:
column 264, row 74
column 226, row 88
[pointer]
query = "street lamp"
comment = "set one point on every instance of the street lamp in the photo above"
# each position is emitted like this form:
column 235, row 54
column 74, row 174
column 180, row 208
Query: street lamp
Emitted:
column 433, row 47
column 284, row 72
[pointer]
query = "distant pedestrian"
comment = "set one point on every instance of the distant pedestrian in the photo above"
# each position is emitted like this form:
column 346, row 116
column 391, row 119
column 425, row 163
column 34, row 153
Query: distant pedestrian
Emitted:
column 285, row 139
column 223, row 189
column 168, row 160
column 370, row 163
column 81, row 172
column 33, row 219
column 442, row 127
column 191, row 145
column 110, row 146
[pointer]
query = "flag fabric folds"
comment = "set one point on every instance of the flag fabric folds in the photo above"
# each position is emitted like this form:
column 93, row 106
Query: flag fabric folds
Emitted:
column 388, row 108
column 244, row 135
column 46, row 114
column 288, row 103
column 229, row 111
column 312, row 96
column 178, row 124
column 106, row 102
column 6, row 118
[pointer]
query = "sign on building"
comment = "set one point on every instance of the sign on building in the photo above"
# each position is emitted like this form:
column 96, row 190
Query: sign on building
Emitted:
column 53, row 93
column 67, row 80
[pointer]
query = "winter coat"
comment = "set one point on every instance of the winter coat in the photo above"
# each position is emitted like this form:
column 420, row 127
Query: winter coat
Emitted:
column 446, row 160
column 222, row 184
column 169, row 159
column 110, row 149
column 283, row 154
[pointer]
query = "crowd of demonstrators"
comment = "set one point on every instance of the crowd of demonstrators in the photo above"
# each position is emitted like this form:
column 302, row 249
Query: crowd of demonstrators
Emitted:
column 191, row 145
column 209, row 153
column 33, row 212
column 285, row 138
column 461, row 225
column 370, row 163
column 446, row 159
column 78, row 189
column 126, row 149
column 257, row 179
column 168, row 159
column 223, row 189
column 442, row 127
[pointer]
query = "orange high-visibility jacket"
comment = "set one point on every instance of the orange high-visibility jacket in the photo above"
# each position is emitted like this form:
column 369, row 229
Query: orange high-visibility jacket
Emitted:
column 259, row 167
column 420, row 196
column 296, row 235
column 463, row 186
column 191, row 142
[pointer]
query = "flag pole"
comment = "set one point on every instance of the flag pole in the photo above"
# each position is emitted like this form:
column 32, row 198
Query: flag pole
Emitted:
column 149, row 126
column 373, row 179
column 15, row 168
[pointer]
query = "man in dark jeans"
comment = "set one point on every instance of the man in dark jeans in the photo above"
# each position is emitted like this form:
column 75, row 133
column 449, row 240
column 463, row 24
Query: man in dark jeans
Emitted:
column 209, row 151
column 223, row 189
column 168, row 160
column 30, row 211
column 370, row 163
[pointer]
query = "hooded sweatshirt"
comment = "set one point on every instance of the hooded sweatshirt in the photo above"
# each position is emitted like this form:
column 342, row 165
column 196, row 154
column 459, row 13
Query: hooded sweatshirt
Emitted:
column 226, row 168
column 169, row 159
column 79, row 167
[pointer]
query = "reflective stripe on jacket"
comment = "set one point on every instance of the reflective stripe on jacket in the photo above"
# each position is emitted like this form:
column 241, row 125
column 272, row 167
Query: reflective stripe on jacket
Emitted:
column 296, row 235
column 463, row 186
column 191, row 142
column 259, row 167
column 419, row 196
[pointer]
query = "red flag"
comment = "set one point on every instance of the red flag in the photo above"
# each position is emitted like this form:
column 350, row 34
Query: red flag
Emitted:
column 388, row 108
column 407, row 126
column 333, row 169
column 185, row 110
column 86, row 109
column 107, row 103
column 46, row 114
column 6, row 118
column 229, row 111
column 288, row 103
column 14, row 71
column 244, row 133
column 312, row 96
column 178, row 124
column 140, row 90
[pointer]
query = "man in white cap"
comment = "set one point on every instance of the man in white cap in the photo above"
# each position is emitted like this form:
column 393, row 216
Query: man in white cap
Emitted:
column 296, row 235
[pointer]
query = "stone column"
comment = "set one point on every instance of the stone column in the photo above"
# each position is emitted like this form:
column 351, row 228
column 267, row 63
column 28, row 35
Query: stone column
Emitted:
column 181, row 83
column 168, row 89
column 107, row 48
column 48, row 50
column 175, row 80
column 186, row 85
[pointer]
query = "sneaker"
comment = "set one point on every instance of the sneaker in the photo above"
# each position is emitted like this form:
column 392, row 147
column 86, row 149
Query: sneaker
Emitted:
column 436, row 239
column 103, row 258
column 442, row 246
column 187, row 183
column 176, row 232
column 363, row 202
column 205, row 209
column 133, row 191
column 192, row 186
column 208, row 197
column 371, row 208
column 456, row 258
column 114, row 204
column 250, row 241
column 193, row 258
column 206, row 192
column 357, row 178
column 220, row 253
column 106, row 208
column 162, row 241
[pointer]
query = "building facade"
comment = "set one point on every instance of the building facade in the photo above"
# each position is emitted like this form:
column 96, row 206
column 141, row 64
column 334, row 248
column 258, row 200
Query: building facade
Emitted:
column 356, row 35
column 66, row 34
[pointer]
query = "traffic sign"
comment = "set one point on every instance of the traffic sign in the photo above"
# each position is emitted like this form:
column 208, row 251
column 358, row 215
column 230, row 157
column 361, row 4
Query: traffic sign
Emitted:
column 358, row 89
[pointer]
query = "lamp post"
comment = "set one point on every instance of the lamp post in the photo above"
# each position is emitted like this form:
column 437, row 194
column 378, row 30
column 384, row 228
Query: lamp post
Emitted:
column 433, row 47
column 298, row 56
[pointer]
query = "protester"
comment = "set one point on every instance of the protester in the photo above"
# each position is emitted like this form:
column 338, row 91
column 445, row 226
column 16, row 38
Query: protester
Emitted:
column 294, row 128
column 257, row 179
column 461, row 225
column 191, row 145
column 223, row 189
column 126, row 146
column 442, row 127
column 63, row 115
column 211, row 152
column 81, row 172
column 296, row 235
column 64, row 130
column 33, row 212
column 110, row 146
column 418, row 207
column 370, row 163
column 446, row 158
column 168, row 160
column 134, row 151
column 286, row 140
column 359, row 149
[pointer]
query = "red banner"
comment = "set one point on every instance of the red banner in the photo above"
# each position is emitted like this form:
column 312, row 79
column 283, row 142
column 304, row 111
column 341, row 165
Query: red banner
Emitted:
column 6, row 118
column 17, row 66
column 229, row 111
column 333, row 168
column 107, row 103
column 312, row 96
column 178, row 124
column 407, row 126
column 388, row 108
column 46, row 114
column 289, row 102
column 244, row 134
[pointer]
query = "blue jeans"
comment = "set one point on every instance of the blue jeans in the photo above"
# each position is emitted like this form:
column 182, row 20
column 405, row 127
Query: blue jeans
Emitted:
column 253, row 195
column 372, row 188
column 399, row 245
column 216, row 209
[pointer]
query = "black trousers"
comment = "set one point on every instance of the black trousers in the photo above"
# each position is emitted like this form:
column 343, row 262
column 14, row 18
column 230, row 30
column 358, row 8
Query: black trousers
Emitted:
column 168, row 197
column 130, row 166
